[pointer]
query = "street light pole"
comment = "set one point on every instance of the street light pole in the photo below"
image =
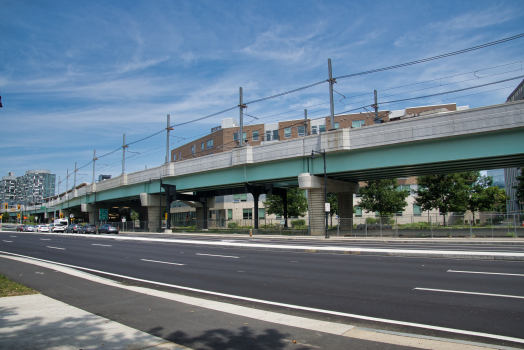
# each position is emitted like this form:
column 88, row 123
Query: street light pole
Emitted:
column 323, row 153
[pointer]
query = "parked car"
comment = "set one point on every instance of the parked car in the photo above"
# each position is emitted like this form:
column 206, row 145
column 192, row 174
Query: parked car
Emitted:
column 89, row 228
column 107, row 229
column 73, row 228
column 58, row 228
column 30, row 228
column 42, row 228
column 21, row 228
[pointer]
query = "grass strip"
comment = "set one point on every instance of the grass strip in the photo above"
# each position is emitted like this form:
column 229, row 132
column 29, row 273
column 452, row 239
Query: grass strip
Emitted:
column 9, row 288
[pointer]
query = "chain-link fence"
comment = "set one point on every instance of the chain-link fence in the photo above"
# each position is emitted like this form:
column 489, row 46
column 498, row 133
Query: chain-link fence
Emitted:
column 494, row 225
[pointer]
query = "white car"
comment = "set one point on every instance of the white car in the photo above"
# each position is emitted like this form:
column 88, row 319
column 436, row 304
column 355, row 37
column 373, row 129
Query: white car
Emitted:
column 58, row 228
column 42, row 228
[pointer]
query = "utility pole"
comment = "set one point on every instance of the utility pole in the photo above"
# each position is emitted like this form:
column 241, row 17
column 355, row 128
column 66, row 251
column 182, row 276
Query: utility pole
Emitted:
column 240, row 130
column 94, row 160
column 74, row 184
column 67, row 183
column 305, row 122
column 124, row 155
column 167, row 142
column 332, row 106
column 377, row 120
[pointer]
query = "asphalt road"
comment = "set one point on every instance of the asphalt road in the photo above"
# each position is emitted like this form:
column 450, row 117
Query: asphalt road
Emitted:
column 472, row 295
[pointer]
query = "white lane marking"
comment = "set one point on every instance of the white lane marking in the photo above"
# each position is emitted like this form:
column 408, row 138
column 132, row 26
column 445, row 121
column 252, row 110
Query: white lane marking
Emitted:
column 489, row 273
column 55, row 248
column 8, row 241
column 45, row 239
column 374, row 319
column 474, row 293
column 221, row 256
column 102, row 245
column 162, row 262
column 12, row 236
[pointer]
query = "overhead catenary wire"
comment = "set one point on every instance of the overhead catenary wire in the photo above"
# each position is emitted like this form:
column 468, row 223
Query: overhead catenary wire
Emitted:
column 449, row 54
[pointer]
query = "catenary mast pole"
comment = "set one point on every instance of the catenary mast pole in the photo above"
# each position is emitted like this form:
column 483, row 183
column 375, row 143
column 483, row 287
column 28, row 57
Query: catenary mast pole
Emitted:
column 332, row 106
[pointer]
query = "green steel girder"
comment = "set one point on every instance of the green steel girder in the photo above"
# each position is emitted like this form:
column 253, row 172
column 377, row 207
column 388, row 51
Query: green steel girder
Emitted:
column 473, row 152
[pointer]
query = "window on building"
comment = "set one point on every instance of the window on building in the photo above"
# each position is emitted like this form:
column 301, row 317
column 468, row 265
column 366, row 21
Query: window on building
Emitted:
column 416, row 210
column 202, row 146
column 180, row 155
column 287, row 132
column 358, row 212
column 262, row 213
column 247, row 214
column 337, row 125
column 268, row 135
column 398, row 213
column 236, row 198
column 211, row 214
column 174, row 157
column 243, row 197
column 255, row 135
column 275, row 135
column 230, row 214
column 301, row 130
column 314, row 130
column 193, row 149
column 235, row 136
column 321, row 128
column 209, row 144
column 358, row 123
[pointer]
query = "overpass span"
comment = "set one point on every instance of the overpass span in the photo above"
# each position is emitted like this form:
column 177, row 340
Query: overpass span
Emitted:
column 476, row 139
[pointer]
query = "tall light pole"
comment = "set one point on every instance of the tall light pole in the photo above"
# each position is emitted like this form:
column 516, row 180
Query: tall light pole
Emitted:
column 326, row 203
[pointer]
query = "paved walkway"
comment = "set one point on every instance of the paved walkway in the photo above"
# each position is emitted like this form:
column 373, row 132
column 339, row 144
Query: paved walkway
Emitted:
column 39, row 322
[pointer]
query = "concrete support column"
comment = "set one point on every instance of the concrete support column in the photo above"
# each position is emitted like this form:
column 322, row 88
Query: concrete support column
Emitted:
column 317, row 215
column 153, row 218
column 200, row 217
column 345, row 209
column 91, row 216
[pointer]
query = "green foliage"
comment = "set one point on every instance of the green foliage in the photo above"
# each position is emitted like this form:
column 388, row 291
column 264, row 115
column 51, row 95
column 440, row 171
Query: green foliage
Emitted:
column 9, row 288
column 333, row 203
column 519, row 194
column 232, row 225
column 298, row 223
column 383, row 196
column 296, row 203
column 5, row 216
column 134, row 215
column 445, row 192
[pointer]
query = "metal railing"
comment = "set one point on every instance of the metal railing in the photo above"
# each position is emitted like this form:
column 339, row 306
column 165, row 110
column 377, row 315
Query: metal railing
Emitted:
column 493, row 225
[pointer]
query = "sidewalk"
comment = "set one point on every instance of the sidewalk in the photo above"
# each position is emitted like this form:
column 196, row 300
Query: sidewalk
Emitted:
column 39, row 322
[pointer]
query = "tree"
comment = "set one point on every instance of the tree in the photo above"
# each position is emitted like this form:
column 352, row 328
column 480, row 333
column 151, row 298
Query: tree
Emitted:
column 498, row 199
column 333, row 205
column 296, row 203
column 519, row 194
column 383, row 196
column 134, row 215
column 445, row 192
column 5, row 217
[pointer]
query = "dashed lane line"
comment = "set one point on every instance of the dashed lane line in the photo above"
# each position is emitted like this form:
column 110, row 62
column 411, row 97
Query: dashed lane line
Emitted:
column 473, row 293
column 489, row 273
column 162, row 262
column 221, row 256
column 55, row 248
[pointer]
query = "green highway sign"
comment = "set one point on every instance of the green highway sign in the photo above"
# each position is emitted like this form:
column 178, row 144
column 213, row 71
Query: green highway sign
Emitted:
column 103, row 214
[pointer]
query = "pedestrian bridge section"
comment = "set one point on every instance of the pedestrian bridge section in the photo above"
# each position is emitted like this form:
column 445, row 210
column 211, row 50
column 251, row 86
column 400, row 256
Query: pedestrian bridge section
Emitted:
column 476, row 139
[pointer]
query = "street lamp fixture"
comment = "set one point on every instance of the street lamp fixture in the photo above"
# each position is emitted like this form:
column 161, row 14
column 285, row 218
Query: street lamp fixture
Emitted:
column 326, row 205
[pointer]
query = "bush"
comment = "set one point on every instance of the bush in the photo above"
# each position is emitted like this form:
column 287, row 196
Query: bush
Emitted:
column 232, row 225
column 296, row 223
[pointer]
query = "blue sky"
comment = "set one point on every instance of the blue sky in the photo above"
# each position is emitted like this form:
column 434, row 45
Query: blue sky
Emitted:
column 75, row 76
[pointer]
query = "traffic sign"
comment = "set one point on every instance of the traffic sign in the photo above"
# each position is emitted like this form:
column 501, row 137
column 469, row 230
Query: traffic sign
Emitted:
column 103, row 214
column 166, row 216
column 25, row 217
